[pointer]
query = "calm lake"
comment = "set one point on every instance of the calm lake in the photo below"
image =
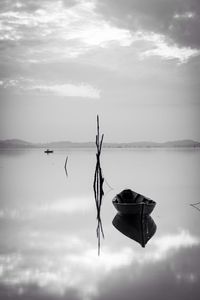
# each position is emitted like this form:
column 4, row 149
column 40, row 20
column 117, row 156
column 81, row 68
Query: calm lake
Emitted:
column 48, row 243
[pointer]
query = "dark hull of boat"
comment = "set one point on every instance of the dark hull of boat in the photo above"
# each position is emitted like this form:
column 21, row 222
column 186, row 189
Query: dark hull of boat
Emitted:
column 145, row 208
column 50, row 151
column 138, row 229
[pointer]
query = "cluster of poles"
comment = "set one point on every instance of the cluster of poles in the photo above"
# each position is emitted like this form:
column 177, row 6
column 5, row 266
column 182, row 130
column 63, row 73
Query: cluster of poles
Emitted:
column 98, row 185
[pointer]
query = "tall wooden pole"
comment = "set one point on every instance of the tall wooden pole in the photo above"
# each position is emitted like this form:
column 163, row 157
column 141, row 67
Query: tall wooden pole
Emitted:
column 98, row 185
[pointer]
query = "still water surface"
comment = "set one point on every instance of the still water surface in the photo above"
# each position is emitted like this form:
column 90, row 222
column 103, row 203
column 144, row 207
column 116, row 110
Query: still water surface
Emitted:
column 48, row 244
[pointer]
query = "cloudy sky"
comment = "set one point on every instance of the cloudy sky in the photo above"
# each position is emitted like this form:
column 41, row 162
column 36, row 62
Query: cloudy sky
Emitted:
column 135, row 62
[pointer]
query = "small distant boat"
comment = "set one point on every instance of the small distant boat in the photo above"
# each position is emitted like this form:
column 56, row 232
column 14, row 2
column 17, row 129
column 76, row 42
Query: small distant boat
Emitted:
column 129, row 202
column 48, row 151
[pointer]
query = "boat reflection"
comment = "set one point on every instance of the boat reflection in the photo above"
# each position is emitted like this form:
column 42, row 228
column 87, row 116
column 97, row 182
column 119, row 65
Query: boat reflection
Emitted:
column 139, row 229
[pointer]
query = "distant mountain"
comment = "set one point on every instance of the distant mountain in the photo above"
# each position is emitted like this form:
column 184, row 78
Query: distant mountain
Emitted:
column 68, row 144
column 147, row 144
column 14, row 143
column 20, row 144
column 181, row 143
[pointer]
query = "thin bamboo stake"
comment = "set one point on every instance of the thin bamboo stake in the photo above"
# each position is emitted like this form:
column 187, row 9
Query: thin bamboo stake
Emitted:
column 194, row 205
column 65, row 166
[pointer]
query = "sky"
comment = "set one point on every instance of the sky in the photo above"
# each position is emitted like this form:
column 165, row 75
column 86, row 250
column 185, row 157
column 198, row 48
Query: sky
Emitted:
column 133, row 62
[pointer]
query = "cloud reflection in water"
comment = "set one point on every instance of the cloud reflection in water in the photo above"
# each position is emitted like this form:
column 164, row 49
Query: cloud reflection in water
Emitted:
column 57, row 267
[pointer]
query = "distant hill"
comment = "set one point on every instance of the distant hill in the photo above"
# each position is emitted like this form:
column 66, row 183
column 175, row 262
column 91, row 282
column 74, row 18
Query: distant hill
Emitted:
column 146, row 144
column 14, row 143
column 20, row 144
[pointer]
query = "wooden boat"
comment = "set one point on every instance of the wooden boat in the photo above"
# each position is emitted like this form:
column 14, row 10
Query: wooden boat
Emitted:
column 138, row 229
column 129, row 202
column 48, row 151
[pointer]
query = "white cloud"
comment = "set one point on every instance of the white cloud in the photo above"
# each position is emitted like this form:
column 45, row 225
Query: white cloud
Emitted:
column 171, row 52
column 168, row 243
column 71, row 205
column 62, row 206
column 57, row 24
column 165, row 50
column 71, row 261
column 187, row 277
column 56, row 32
column 82, row 90
column 186, row 15
column 67, row 90
column 69, row 268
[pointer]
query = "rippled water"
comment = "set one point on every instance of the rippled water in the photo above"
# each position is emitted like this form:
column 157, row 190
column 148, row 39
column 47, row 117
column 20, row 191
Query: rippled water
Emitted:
column 48, row 244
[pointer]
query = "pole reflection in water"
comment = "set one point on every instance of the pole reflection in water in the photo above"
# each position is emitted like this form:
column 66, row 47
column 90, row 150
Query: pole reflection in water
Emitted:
column 196, row 205
column 65, row 166
column 138, row 228
column 98, row 186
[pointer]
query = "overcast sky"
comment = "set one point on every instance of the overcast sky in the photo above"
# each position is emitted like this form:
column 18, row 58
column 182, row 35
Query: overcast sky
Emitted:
column 135, row 62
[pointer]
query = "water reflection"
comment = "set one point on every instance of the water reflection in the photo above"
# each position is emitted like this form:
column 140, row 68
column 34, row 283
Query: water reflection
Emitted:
column 48, row 249
column 98, row 186
column 65, row 166
column 138, row 229
column 196, row 205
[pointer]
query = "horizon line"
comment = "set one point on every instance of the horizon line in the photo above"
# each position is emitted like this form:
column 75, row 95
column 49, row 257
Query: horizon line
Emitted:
column 105, row 142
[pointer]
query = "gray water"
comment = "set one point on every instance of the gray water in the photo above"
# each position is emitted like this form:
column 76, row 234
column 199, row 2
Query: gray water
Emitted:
column 48, row 244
